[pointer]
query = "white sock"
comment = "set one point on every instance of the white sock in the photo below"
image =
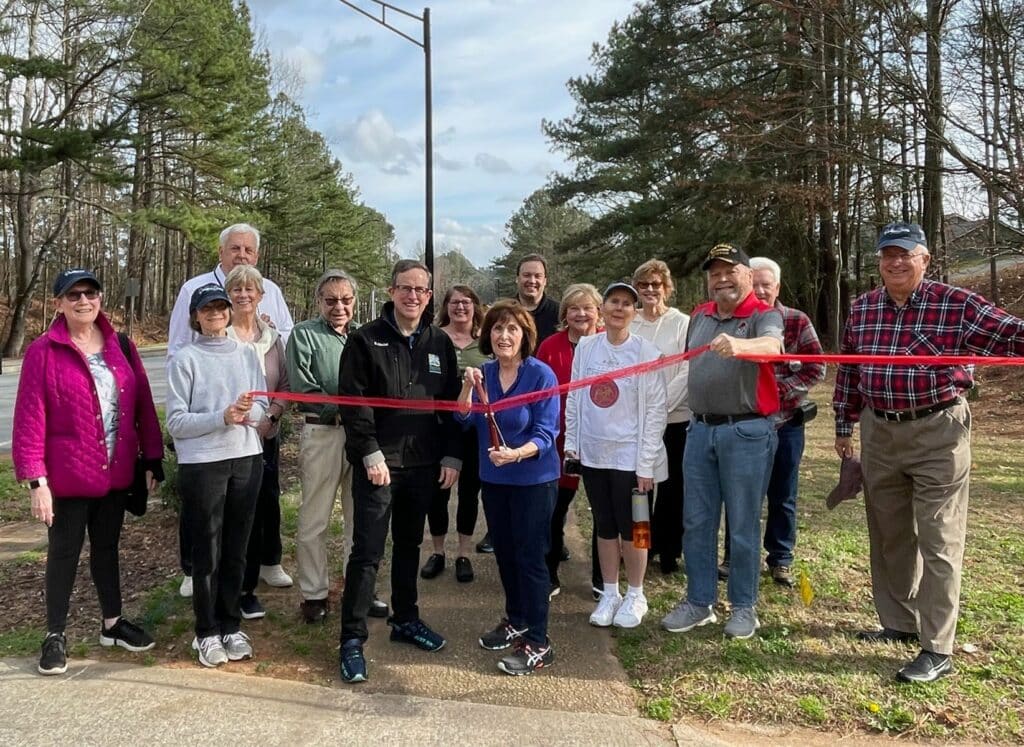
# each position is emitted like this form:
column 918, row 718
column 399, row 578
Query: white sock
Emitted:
column 637, row 591
column 611, row 589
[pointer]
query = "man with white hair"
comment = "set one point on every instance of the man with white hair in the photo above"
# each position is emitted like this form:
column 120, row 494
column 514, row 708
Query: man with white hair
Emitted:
column 239, row 245
column 794, row 380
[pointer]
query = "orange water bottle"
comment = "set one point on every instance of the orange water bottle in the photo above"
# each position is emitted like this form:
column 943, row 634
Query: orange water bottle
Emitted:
column 641, row 521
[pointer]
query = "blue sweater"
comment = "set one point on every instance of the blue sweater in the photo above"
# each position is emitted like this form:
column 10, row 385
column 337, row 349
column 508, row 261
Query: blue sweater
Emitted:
column 537, row 422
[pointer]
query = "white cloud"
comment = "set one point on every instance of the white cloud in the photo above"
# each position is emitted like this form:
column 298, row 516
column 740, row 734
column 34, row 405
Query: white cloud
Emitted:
column 492, row 164
column 447, row 164
column 372, row 138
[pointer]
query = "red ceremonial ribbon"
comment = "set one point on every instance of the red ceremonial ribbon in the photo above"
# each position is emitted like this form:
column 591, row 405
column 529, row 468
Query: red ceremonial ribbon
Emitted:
column 641, row 368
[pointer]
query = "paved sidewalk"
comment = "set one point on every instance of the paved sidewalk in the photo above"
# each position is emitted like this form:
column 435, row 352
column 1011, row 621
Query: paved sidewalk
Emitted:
column 17, row 537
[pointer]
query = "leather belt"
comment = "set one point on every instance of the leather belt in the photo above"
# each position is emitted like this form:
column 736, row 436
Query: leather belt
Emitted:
column 315, row 420
column 900, row 416
column 709, row 419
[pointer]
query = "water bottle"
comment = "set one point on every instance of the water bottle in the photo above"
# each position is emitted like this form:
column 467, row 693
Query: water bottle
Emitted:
column 641, row 521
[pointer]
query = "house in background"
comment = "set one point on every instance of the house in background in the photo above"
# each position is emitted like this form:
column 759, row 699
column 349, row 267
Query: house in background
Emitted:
column 968, row 240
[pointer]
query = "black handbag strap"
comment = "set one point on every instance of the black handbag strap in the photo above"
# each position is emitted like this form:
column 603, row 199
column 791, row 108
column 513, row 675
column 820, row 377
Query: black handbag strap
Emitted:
column 126, row 348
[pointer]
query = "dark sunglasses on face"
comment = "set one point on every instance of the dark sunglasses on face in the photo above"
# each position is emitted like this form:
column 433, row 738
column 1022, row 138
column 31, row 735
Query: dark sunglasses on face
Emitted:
column 91, row 293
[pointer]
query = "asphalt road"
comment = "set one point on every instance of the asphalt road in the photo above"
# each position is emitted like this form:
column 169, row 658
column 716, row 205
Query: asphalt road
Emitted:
column 152, row 358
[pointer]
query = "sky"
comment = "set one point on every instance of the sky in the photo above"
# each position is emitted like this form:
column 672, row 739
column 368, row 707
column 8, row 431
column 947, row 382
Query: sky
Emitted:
column 499, row 68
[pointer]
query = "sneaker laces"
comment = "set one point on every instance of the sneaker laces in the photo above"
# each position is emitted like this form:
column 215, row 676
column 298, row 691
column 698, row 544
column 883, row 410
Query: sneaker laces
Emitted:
column 52, row 641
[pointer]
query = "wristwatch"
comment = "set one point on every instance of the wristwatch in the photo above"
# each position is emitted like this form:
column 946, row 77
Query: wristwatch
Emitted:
column 39, row 482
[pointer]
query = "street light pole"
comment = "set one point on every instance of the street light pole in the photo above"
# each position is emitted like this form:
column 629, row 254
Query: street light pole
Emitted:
column 423, row 44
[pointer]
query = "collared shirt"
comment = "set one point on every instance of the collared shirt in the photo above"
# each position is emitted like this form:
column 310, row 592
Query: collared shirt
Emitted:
column 793, row 377
column 179, row 333
column 730, row 386
column 937, row 319
column 313, row 356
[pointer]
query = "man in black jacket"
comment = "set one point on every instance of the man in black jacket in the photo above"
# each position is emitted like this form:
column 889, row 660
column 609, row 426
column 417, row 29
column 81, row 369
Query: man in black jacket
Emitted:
column 398, row 457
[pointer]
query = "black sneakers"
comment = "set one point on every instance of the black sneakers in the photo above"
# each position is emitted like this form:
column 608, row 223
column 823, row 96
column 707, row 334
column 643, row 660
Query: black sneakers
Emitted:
column 527, row 658
column 127, row 635
column 251, row 607
column 501, row 637
column 378, row 608
column 417, row 633
column 353, row 663
column 314, row 610
column 54, row 659
column 484, row 546
column 926, row 667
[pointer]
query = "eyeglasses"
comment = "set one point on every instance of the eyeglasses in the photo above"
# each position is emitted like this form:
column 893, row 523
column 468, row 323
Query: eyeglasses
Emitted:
column 344, row 301
column 652, row 284
column 461, row 302
column 899, row 254
column 91, row 293
column 419, row 290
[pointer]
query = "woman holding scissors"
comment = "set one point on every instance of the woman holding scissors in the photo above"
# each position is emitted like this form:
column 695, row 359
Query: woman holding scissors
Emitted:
column 519, row 471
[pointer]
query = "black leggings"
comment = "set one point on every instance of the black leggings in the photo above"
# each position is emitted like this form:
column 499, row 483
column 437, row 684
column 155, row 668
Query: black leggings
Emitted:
column 469, row 494
column 610, row 492
column 103, row 517
column 562, row 503
column 265, row 537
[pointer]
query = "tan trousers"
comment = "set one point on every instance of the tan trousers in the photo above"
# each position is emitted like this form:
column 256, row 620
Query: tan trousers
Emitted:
column 323, row 469
column 916, row 487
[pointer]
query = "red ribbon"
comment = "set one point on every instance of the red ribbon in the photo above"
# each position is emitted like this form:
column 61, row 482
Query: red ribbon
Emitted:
column 640, row 368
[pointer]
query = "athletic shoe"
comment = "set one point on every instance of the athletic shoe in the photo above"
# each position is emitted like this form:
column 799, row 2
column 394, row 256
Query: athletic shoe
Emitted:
column 463, row 570
column 926, row 667
column 743, row 623
column 185, row 589
column 604, row 613
column 596, row 593
column 211, row 650
column 723, row 570
column 378, row 608
column 782, row 575
column 251, row 607
column 501, row 637
column 527, row 658
column 554, row 589
column 126, row 634
column 687, row 616
column 565, row 557
column 352, row 661
column 53, row 657
column 238, row 646
column 632, row 610
column 274, row 575
column 417, row 633
column 433, row 567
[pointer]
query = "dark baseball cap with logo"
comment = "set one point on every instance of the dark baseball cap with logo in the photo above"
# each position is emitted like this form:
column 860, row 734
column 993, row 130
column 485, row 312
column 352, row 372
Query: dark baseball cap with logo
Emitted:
column 727, row 253
column 621, row 285
column 904, row 235
column 206, row 294
column 67, row 280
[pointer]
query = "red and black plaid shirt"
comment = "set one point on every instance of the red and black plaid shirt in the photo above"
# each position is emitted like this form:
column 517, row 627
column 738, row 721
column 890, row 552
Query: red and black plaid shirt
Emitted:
column 794, row 378
column 937, row 319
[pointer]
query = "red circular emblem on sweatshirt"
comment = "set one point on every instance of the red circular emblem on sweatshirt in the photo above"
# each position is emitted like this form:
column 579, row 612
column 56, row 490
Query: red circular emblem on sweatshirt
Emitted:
column 604, row 393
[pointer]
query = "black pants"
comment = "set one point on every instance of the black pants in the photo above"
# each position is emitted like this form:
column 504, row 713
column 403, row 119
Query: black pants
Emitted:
column 265, row 537
column 219, row 500
column 103, row 517
column 404, row 505
column 667, row 511
column 469, row 495
column 561, row 511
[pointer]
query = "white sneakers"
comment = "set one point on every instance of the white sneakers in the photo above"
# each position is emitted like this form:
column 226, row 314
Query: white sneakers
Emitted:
column 605, row 611
column 274, row 575
column 186, row 587
column 622, row 612
column 211, row 650
column 632, row 610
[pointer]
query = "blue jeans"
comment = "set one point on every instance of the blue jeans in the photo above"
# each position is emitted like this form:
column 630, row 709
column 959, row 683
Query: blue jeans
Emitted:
column 519, row 520
column 780, row 526
column 725, row 465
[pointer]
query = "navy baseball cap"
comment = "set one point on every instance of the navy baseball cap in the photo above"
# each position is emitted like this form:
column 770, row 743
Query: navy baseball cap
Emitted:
column 620, row 285
column 67, row 279
column 904, row 235
column 727, row 253
column 205, row 294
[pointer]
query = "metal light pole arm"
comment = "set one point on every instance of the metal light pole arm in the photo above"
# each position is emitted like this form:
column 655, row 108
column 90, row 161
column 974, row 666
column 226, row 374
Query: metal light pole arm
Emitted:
column 383, row 21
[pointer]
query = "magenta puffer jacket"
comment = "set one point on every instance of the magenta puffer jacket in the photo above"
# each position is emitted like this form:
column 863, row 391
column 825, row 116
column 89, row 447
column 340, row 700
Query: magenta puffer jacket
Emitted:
column 58, row 428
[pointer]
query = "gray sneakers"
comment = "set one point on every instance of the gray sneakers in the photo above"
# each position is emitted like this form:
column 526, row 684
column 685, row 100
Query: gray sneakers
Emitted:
column 237, row 645
column 211, row 650
column 686, row 617
column 743, row 623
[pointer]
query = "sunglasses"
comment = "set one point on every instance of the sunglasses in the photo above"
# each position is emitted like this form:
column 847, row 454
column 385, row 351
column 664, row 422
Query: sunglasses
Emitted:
column 91, row 293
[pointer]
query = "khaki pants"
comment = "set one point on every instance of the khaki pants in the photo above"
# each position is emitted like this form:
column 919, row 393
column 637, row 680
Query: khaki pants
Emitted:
column 323, row 468
column 916, row 487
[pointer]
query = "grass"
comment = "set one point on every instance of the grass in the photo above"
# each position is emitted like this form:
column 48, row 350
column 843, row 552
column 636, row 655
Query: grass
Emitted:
column 14, row 500
column 805, row 668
